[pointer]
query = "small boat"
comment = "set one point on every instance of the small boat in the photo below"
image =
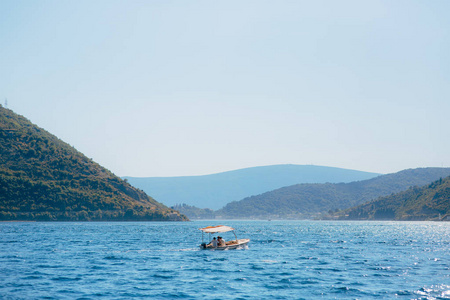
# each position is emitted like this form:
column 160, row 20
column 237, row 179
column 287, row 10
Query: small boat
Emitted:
column 233, row 244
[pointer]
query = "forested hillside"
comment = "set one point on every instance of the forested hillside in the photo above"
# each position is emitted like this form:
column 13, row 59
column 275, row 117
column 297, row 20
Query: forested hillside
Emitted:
column 307, row 200
column 430, row 202
column 43, row 178
column 193, row 212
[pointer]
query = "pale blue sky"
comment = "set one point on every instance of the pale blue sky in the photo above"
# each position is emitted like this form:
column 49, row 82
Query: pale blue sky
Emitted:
column 171, row 88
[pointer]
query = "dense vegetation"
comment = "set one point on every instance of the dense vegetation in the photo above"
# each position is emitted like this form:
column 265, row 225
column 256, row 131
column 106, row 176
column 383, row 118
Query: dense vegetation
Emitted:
column 193, row 212
column 430, row 202
column 310, row 200
column 43, row 178
column 216, row 190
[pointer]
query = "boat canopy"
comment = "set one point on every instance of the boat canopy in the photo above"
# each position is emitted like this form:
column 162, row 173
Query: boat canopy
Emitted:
column 216, row 229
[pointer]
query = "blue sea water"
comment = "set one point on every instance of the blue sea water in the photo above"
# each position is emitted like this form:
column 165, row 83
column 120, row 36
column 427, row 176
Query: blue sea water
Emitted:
column 284, row 260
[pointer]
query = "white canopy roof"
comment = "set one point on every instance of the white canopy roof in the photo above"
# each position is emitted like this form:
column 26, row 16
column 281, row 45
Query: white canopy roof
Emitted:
column 216, row 229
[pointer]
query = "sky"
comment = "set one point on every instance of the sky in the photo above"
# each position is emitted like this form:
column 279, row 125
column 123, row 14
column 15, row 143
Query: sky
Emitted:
column 178, row 88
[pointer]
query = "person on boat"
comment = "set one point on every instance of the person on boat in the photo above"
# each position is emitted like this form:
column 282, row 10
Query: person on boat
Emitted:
column 221, row 241
column 213, row 243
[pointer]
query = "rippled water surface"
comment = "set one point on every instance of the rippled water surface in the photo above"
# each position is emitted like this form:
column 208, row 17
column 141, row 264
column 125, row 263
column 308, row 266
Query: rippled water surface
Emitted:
column 284, row 260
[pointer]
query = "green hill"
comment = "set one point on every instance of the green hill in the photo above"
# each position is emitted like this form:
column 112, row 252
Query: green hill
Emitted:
column 308, row 200
column 43, row 178
column 216, row 190
column 193, row 212
column 417, row 203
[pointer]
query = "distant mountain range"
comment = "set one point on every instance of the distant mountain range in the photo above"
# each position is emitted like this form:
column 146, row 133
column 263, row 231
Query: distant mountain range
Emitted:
column 307, row 200
column 430, row 202
column 43, row 178
column 216, row 190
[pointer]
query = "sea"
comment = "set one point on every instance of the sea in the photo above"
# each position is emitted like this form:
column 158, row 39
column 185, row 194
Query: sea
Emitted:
column 284, row 260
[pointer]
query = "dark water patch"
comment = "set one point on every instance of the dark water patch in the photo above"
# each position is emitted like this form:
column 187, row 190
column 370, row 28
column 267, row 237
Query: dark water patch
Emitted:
column 64, row 278
column 98, row 295
column 256, row 267
column 195, row 269
column 97, row 267
column 278, row 287
column 285, row 281
column 221, row 259
column 163, row 276
column 285, row 274
column 357, row 283
column 176, row 295
column 144, row 270
column 66, row 291
column 240, row 279
column 32, row 277
column 13, row 260
column 117, row 257
column 143, row 289
column 10, row 242
column 49, row 266
column 217, row 271
column 17, row 285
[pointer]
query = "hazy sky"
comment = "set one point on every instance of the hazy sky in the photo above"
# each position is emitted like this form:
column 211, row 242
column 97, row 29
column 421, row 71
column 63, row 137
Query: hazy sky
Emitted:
column 170, row 88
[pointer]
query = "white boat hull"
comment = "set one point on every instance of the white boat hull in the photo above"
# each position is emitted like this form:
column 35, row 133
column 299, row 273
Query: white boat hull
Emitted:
column 230, row 245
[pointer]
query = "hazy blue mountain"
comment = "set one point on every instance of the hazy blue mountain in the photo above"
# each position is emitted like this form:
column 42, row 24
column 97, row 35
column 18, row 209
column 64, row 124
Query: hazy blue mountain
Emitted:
column 216, row 190
column 306, row 200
